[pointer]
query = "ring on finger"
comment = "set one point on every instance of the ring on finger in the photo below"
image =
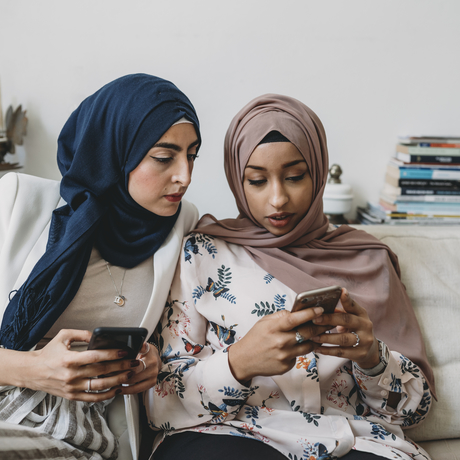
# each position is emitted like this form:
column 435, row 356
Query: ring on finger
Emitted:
column 143, row 362
column 357, row 339
column 299, row 337
column 146, row 351
column 89, row 388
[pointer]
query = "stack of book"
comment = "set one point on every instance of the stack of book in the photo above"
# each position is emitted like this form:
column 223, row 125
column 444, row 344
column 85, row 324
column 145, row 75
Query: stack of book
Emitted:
column 422, row 184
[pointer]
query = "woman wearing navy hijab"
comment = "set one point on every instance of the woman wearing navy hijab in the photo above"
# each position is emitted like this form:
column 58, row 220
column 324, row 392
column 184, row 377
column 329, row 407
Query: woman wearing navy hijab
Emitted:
column 97, row 249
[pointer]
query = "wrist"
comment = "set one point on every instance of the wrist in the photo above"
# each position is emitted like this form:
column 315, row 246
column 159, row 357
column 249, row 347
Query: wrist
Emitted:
column 380, row 366
column 234, row 363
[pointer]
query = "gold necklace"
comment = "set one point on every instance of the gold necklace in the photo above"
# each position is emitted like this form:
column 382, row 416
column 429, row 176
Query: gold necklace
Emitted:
column 119, row 298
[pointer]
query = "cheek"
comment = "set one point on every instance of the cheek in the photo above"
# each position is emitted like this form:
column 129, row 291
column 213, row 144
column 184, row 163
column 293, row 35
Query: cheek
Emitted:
column 143, row 181
column 306, row 197
column 254, row 201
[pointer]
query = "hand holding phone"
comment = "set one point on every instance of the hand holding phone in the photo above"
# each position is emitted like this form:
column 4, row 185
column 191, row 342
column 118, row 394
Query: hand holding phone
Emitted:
column 327, row 298
column 130, row 339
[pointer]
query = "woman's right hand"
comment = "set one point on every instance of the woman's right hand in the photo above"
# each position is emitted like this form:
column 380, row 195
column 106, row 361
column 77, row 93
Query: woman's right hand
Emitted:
column 57, row 370
column 270, row 347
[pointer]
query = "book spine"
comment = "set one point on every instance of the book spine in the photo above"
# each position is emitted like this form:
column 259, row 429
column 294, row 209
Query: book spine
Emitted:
column 434, row 144
column 415, row 158
column 423, row 208
column 430, row 151
column 429, row 191
column 408, row 173
column 454, row 199
column 430, row 184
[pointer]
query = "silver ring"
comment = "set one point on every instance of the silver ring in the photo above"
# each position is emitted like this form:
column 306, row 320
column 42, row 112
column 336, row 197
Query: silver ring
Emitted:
column 143, row 362
column 148, row 349
column 89, row 387
column 299, row 337
column 94, row 391
column 357, row 339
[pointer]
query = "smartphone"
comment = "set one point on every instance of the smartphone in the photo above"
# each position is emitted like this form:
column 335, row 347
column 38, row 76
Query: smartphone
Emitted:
column 327, row 298
column 123, row 338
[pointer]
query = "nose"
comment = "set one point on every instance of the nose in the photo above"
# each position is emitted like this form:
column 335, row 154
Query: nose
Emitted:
column 278, row 195
column 183, row 172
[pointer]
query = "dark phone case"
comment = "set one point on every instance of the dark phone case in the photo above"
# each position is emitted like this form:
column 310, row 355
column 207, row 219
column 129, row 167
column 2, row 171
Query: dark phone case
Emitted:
column 327, row 299
column 123, row 338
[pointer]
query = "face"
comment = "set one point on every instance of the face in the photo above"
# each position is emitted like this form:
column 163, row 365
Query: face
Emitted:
column 277, row 186
column 163, row 176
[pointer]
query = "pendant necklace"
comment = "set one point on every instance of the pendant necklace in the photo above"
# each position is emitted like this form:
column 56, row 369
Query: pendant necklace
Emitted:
column 119, row 298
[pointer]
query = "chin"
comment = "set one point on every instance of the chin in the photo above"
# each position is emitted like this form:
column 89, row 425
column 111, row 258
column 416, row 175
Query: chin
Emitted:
column 281, row 231
column 278, row 231
column 169, row 211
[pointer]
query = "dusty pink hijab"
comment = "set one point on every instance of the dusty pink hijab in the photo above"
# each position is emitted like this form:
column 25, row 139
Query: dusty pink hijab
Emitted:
column 310, row 256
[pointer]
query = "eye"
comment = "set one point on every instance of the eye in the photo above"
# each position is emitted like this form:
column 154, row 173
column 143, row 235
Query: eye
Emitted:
column 163, row 160
column 192, row 156
column 257, row 182
column 296, row 178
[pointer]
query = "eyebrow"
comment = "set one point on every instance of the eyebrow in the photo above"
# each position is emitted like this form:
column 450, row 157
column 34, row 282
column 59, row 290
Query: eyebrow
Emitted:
column 284, row 166
column 175, row 147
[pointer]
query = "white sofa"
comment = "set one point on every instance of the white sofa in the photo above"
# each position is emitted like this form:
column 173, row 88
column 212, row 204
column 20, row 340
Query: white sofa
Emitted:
column 429, row 257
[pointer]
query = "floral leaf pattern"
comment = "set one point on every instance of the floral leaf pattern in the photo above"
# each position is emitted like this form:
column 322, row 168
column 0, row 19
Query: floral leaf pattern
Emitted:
column 192, row 243
column 265, row 308
column 219, row 296
column 268, row 278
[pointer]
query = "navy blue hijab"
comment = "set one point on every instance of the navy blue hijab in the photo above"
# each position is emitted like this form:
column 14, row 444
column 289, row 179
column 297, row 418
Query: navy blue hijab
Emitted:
column 101, row 143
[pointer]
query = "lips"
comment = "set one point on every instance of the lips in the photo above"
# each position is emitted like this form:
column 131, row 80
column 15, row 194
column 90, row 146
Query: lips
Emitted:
column 174, row 197
column 280, row 219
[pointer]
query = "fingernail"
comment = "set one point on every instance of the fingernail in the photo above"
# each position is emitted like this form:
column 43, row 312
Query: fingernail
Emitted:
column 122, row 353
column 135, row 363
column 130, row 374
column 318, row 310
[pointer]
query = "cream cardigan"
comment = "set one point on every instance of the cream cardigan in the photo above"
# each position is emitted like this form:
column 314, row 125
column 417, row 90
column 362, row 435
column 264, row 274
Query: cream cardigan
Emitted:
column 26, row 206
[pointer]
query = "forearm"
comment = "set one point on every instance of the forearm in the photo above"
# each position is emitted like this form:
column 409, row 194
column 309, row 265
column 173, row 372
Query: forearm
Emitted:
column 16, row 368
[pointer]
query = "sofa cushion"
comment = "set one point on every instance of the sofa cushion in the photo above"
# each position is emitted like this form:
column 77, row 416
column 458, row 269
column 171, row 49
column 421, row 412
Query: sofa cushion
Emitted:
column 430, row 265
column 446, row 449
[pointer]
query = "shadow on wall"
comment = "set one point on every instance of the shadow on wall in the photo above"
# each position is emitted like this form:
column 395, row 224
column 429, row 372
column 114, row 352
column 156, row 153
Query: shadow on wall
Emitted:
column 39, row 145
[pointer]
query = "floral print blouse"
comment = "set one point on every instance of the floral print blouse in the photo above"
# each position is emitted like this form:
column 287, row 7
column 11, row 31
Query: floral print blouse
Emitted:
column 320, row 409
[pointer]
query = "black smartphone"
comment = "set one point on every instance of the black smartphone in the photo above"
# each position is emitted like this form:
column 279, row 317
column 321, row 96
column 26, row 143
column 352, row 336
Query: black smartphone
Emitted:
column 327, row 298
column 123, row 338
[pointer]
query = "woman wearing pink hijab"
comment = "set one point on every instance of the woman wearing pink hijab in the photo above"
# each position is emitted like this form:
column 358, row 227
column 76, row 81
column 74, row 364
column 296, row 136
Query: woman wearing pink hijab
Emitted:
column 238, row 365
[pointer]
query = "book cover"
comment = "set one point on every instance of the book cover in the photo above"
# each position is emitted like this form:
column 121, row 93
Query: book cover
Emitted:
column 380, row 210
column 427, row 159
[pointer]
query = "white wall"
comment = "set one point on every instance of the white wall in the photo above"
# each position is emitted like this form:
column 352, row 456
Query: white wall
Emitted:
column 370, row 70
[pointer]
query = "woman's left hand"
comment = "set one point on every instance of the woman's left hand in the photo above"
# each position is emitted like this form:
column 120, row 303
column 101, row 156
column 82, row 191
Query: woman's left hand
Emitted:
column 354, row 338
column 145, row 375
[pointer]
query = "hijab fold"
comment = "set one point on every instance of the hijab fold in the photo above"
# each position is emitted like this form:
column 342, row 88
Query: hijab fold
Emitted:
column 312, row 255
column 103, row 140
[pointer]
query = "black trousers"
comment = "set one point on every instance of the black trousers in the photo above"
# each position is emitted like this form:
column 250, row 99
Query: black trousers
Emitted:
column 201, row 446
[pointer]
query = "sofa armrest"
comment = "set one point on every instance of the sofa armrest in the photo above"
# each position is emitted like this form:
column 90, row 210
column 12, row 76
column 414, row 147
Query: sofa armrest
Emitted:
column 430, row 269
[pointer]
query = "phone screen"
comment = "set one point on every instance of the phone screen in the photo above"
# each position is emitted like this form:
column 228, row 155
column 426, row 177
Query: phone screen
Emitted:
column 123, row 338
